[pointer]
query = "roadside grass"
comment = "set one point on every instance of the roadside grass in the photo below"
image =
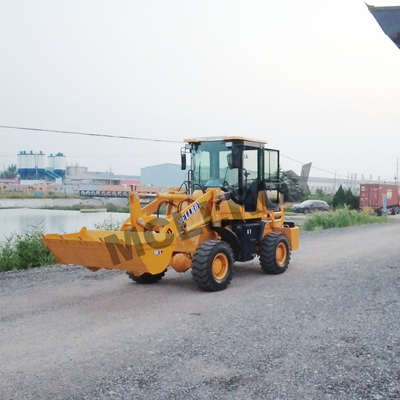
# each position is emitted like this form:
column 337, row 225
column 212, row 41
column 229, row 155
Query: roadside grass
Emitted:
column 339, row 219
column 25, row 251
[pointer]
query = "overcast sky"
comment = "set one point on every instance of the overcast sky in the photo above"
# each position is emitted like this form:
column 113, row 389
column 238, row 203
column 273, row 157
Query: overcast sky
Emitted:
column 318, row 80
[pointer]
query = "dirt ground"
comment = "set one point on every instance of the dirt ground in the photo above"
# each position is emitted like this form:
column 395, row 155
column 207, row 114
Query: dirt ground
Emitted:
column 329, row 328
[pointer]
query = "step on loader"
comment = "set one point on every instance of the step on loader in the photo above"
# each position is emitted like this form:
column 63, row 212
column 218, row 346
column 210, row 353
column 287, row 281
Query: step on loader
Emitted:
column 223, row 213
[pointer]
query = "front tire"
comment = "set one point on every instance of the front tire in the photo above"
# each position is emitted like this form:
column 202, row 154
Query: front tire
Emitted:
column 146, row 278
column 275, row 254
column 212, row 267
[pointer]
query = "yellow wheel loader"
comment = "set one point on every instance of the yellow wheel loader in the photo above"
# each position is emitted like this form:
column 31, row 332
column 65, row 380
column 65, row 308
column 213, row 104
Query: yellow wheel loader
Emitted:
column 223, row 213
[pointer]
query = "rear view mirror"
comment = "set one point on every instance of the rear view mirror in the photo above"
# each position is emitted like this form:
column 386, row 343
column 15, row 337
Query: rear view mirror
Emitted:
column 183, row 160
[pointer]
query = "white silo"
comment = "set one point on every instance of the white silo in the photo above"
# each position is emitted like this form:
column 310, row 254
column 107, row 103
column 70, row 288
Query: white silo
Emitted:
column 41, row 165
column 59, row 164
column 21, row 164
column 50, row 162
column 31, row 165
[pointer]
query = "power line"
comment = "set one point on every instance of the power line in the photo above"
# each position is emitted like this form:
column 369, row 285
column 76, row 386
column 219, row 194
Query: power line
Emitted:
column 89, row 134
column 319, row 169
column 133, row 138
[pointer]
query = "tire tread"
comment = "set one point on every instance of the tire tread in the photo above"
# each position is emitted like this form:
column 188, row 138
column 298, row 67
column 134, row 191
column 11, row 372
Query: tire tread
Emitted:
column 201, row 266
column 268, row 254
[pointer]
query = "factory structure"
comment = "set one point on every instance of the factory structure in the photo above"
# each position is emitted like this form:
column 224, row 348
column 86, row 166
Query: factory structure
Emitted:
column 37, row 167
column 41, row 173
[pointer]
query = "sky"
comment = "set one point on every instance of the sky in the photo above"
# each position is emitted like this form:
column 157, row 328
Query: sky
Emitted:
column 317, row 80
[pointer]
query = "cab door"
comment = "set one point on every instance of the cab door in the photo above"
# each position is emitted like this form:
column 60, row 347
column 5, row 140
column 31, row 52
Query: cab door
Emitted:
column 252, row 176
column 271, row 168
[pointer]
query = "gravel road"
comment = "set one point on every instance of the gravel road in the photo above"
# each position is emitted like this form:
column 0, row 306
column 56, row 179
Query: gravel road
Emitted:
column 329, row 328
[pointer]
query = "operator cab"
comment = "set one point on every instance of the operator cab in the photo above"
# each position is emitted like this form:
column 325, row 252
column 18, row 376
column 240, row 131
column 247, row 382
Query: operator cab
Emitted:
column 237, row 165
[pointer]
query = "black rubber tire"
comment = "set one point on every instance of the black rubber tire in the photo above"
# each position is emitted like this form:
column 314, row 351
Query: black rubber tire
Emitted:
column 202, row 266
column 268, row 255
column 146, row 278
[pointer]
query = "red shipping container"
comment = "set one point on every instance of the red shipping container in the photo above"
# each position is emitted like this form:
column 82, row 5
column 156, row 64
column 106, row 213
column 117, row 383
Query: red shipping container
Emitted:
column 371, row 195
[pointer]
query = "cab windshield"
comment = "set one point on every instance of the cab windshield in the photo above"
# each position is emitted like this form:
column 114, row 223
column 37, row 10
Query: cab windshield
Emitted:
column 212, row 167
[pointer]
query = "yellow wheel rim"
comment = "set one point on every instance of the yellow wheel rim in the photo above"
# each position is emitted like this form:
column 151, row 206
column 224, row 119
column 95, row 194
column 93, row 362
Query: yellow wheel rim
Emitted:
column 220, row 266
column 281, row 254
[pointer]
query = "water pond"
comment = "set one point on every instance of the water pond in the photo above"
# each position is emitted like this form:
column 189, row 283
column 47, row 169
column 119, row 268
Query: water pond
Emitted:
column 17, row 221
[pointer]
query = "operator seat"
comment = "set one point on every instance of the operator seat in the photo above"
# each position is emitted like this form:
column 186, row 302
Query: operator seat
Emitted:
column 251, row 195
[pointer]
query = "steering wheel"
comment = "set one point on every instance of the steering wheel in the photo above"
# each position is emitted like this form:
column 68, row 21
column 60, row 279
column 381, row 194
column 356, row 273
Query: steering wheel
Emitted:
column 225, row 186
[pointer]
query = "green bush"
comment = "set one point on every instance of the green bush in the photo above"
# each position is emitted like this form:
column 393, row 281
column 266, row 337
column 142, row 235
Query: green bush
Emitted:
column 25, row 251
column 8, row 255
column 339, row 219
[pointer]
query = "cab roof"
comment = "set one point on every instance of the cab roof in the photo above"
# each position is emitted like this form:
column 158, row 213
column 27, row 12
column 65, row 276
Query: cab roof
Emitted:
column 225, row 139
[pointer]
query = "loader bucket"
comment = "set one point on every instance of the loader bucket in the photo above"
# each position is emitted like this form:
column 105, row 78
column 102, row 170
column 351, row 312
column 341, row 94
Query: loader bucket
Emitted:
column 129, row 251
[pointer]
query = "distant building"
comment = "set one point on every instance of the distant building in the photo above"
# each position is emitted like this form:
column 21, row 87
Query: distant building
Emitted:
column 165, row 175
column 79, row 175
column 37, row 167
column 331, row 185
column 76, row 170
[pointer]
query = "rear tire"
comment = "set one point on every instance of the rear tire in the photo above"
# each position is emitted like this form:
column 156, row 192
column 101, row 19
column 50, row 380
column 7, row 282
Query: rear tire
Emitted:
column 146, row 278
column 275, row 253
column 212, row 267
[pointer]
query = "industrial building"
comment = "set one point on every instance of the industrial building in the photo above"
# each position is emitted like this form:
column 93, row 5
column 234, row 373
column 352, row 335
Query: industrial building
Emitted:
column 79, row 175
column 37, row 167
column 331, row 185
column 164, row 175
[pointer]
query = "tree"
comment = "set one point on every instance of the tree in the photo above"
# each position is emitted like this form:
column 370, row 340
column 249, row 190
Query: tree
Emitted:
column 342, row 198
column 290, row 187
column 320, row 195
column 351, row 200
column 9, row 173
column 339, row 199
